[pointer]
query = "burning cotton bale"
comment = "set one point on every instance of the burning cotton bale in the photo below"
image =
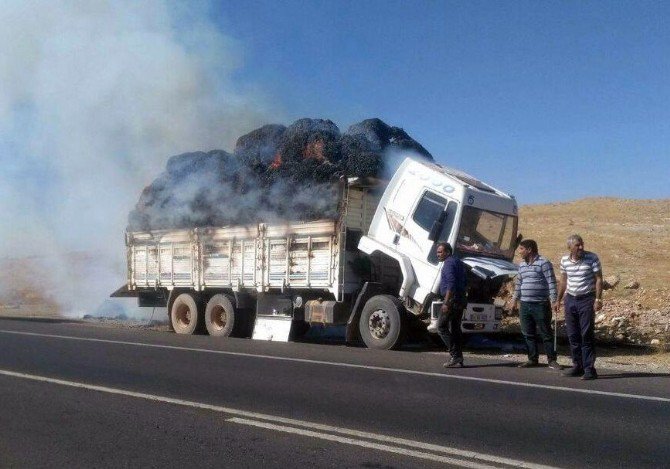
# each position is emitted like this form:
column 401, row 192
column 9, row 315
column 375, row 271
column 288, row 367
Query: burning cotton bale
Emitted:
column 381, row 136
column 275, row 173
column 259, row 147
column 189, row 192
column 311, row 139
column 364, row 144
column 305, row 170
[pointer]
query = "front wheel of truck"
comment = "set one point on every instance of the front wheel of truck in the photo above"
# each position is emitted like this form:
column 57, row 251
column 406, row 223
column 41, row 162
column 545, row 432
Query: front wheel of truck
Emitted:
column 186, row 315
column 382, row 324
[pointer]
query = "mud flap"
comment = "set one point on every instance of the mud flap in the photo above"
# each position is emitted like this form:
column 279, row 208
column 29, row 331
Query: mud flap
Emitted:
column 274, row 317
column 273, row 328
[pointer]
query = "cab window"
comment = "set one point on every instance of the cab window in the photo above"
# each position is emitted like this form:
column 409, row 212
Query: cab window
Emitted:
column 428, row 210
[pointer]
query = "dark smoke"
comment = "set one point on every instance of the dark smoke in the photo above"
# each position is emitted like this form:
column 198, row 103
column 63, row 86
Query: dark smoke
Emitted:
column 275, row 173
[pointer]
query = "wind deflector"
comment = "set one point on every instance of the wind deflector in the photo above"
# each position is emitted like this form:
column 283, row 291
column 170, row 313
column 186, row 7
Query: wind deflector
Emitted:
column 470, row 180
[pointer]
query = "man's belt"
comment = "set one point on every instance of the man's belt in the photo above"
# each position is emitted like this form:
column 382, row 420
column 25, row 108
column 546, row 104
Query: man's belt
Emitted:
column 581, row 297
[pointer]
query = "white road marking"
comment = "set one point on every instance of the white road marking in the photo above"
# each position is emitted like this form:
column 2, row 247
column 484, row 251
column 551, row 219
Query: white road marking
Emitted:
column 352, row 365
column 364, row 444
column 477, row 460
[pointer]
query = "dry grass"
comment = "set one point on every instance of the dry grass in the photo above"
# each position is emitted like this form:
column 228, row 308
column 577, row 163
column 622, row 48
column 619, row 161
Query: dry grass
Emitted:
column 22, row 282
column 631, row 237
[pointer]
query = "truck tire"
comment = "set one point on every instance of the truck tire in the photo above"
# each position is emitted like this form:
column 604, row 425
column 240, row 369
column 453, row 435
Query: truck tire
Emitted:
column 220, row 316
column 186, row 315
column 382, row 322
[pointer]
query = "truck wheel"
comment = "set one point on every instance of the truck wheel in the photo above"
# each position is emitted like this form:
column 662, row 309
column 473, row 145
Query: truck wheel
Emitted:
column 185, row 316
column 220, row 316
column 381, row 324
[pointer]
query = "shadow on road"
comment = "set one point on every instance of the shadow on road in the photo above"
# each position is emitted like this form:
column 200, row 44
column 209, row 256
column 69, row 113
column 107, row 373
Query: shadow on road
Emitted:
column 491, row 365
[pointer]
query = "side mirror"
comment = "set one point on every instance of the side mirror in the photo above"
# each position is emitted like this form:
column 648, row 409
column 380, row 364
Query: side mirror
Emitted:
column 435, row 230
column 517, row 241
column 437, row 227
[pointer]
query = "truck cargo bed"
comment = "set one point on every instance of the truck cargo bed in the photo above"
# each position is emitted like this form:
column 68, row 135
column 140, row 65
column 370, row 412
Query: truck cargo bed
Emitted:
column 297, row 255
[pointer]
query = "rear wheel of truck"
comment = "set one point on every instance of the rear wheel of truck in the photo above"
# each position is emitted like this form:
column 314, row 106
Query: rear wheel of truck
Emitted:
column 186, row 315
column 220, row 316
column 382, row 322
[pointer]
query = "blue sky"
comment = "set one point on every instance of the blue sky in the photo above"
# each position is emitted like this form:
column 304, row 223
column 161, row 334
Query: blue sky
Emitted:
column 550, row 101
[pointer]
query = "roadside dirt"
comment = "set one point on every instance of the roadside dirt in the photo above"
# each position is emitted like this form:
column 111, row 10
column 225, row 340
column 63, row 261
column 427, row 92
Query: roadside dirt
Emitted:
column 609, row 356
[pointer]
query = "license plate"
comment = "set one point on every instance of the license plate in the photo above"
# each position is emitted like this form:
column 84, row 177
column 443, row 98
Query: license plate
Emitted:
column 479, row 317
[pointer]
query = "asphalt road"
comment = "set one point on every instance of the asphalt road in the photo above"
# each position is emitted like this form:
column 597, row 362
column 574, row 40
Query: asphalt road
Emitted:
column 76, row 395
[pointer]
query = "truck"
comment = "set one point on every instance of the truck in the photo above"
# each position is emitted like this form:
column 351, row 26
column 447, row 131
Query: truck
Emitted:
column 373, row 268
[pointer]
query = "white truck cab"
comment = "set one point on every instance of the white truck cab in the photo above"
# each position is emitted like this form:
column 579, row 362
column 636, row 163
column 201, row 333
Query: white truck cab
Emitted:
column 425, row 204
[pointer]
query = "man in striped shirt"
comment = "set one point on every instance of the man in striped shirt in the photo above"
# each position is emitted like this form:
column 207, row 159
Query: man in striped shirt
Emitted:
column 535, row 286
column 582, row 284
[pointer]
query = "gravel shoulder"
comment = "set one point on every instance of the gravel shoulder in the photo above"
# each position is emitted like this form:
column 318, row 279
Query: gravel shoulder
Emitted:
column 611, row 358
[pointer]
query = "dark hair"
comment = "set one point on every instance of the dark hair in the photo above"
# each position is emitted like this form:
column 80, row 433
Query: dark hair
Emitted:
column 446, row 246
column 529, row 244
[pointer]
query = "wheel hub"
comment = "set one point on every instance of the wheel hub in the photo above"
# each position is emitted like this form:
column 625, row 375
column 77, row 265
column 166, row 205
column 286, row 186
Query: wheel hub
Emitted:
column 219, row 317
column 184, row 315
column 379, row 324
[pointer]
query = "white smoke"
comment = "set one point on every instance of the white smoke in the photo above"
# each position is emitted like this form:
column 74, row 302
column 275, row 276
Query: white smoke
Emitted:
column 95, row 95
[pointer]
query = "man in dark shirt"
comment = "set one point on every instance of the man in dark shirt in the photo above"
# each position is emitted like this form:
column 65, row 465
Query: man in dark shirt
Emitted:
column 453, row 290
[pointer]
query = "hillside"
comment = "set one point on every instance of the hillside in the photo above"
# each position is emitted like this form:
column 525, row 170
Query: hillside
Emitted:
column 632, row 238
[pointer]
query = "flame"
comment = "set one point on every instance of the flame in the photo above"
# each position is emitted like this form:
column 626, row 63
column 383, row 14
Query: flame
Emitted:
column 314, row 151
column 276, row 161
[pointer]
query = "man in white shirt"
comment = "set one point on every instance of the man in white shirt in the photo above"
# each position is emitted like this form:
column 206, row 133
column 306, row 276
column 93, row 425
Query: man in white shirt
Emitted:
column 582, row 285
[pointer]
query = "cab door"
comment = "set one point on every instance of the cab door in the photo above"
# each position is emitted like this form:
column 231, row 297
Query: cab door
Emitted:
column 414, row 241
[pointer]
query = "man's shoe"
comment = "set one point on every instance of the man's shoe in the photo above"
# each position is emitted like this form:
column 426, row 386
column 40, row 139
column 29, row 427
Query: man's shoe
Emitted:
column 432, row 327
column 454, row 362
column 590, row 375
column 574, row 372
column 528, row 364
column 553, row 364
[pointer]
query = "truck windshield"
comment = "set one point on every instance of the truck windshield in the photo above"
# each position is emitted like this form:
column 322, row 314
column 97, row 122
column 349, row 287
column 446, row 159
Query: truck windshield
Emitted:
column 486, row 233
